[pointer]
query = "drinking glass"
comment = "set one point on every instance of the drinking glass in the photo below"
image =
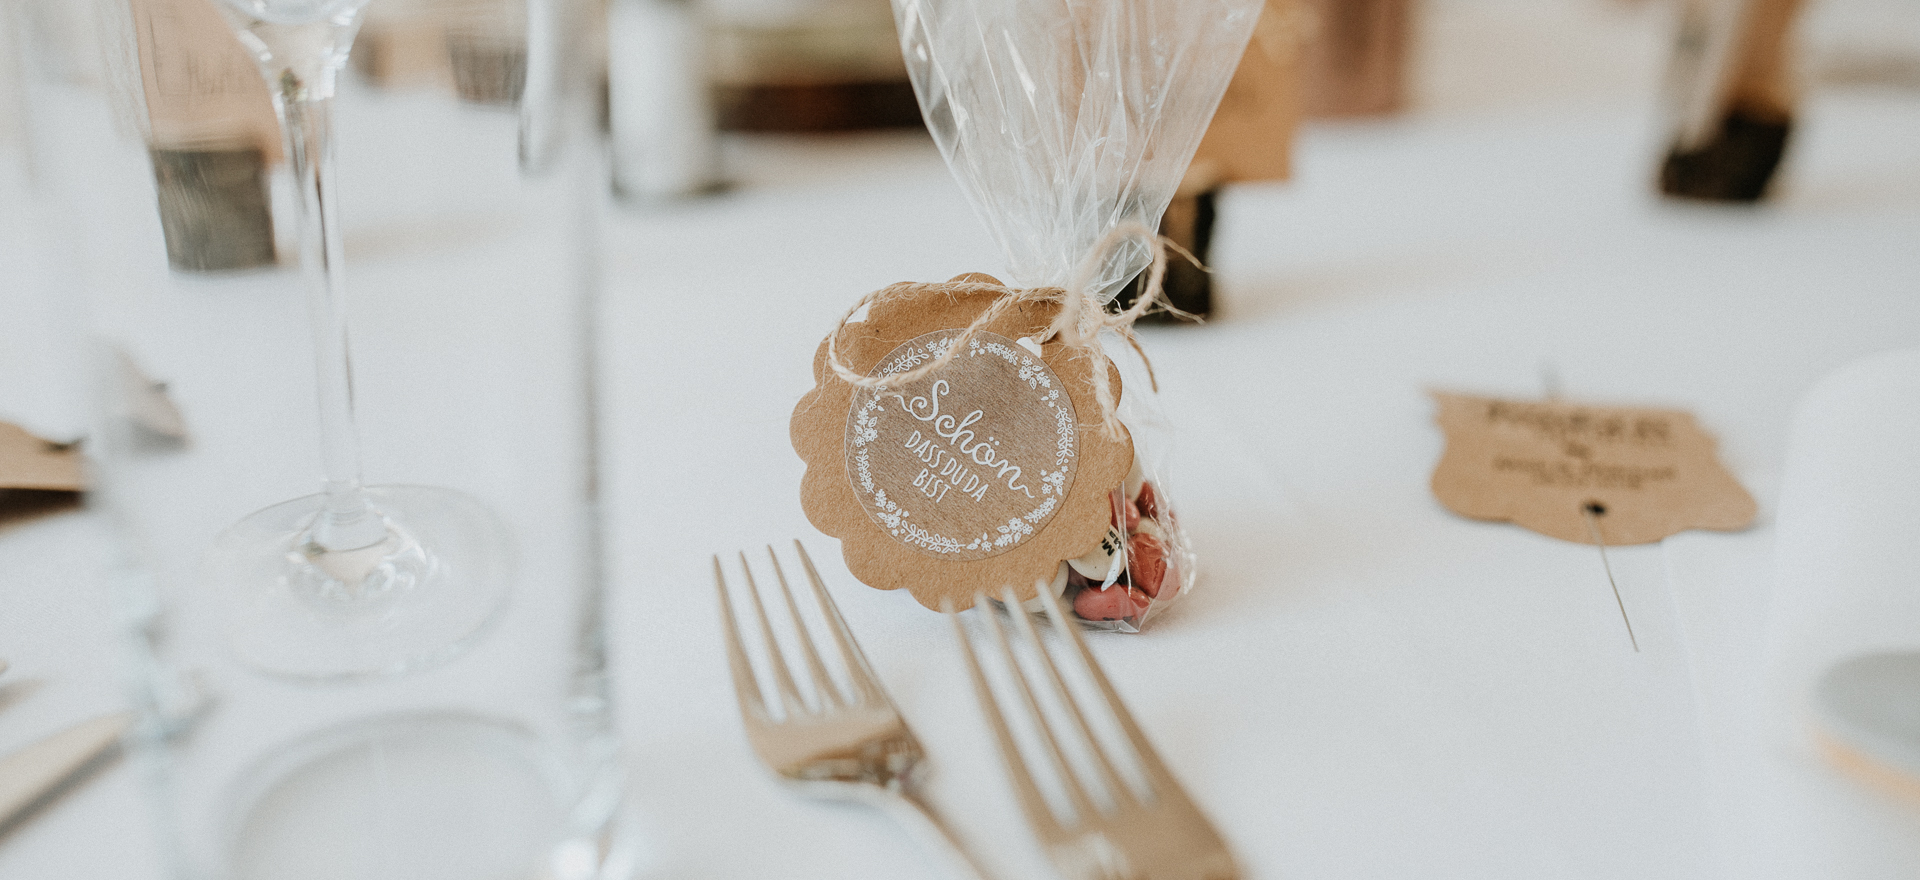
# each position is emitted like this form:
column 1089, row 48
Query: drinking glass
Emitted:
column 316, row 239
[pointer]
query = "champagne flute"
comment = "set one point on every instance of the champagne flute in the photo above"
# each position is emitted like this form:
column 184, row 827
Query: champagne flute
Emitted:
column 358, row 580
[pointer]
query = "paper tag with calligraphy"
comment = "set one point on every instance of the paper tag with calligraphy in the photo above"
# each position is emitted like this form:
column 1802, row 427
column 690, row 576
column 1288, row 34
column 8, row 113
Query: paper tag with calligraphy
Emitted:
column 987, row 472
column 1561, row 468
column 980, row 484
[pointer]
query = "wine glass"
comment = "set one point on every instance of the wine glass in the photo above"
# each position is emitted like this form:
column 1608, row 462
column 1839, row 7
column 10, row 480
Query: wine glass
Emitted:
column 352, row 693
column 357, row 580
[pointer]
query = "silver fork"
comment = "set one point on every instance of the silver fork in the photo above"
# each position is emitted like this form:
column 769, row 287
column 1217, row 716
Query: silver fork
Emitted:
column 849, row 743
column 1153, row 834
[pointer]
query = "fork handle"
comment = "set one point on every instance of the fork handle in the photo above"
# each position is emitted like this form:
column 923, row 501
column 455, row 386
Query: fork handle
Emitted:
column 912, row 809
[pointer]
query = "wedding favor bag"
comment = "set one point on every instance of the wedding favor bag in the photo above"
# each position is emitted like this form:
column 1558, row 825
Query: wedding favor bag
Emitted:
column 977, row 437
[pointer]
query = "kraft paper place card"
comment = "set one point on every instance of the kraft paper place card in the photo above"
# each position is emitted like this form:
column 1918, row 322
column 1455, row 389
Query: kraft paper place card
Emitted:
column 1567, row 470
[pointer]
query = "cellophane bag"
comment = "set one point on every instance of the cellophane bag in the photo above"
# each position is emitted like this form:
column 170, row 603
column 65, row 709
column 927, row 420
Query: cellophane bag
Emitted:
column 1065, row 122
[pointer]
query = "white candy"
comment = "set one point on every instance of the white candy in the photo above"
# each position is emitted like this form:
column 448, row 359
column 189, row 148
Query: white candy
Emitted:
column 1106, row 560
column 1037, row 604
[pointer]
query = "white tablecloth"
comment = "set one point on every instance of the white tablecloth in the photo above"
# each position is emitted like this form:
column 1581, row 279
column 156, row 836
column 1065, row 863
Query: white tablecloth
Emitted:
column 1362, row 685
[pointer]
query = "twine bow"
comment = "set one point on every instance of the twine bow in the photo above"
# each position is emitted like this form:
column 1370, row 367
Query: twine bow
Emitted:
column 1078, row 325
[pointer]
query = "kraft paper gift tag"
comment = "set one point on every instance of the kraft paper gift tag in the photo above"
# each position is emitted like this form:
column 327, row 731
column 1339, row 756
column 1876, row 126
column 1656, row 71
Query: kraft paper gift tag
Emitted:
column 1565, row 470
column 985, row 473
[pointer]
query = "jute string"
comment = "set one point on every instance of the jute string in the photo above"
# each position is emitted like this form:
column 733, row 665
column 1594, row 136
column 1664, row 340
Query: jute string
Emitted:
column 1078, row 325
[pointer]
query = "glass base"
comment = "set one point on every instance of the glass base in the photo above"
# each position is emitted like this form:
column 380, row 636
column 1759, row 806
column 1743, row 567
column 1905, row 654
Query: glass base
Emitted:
column 412, row 600
column 406, row 797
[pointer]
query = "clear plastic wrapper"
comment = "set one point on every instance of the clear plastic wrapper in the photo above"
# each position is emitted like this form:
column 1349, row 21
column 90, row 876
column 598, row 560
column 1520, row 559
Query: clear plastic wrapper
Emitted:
column 1069, row 124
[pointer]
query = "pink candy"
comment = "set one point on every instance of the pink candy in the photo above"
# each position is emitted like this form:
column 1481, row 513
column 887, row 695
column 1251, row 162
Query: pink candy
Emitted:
column 1151, row 572
column 1118, row 602
column 1146, row 563
column 1169, row 585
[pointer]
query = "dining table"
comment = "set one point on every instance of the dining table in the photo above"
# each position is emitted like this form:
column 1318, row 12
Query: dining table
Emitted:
column 1361, row 683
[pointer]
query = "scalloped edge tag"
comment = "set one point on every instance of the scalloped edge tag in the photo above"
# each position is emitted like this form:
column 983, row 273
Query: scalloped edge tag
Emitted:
column 1564, row 469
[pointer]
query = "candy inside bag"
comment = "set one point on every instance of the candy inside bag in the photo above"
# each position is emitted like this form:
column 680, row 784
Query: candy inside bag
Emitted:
column 1144, row 561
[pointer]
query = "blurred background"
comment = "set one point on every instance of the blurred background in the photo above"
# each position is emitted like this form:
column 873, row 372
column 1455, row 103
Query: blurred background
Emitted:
column 1512, row 197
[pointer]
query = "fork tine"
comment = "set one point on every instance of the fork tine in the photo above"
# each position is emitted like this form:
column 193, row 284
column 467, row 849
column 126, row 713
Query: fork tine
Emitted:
column 1039, row 813
column 1116, row 786
column 1160, row 781
column 823, row 685
column 745, row 687
column 866, row 687
column 1082, row 804
column 789, row 693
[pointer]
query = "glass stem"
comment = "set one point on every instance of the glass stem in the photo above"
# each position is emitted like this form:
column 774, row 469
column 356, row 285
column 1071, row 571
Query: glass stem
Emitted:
column 348, row 521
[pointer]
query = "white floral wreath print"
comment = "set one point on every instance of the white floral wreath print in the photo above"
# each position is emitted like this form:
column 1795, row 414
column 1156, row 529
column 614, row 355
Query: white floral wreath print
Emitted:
column 894, row 516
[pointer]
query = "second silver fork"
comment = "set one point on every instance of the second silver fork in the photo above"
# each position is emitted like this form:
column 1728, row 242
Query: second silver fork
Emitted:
column 1112, row 829
column 849, row 742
